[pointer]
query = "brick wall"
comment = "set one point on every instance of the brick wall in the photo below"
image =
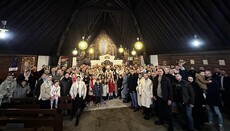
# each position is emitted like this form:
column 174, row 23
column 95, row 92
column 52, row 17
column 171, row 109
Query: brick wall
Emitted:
column 213, row 58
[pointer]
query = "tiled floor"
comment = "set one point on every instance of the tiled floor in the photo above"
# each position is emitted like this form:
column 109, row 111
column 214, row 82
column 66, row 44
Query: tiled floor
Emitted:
column 123, row 119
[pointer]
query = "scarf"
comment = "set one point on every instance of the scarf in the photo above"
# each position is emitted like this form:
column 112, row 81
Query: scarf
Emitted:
column 26, row 76
column 79, row 88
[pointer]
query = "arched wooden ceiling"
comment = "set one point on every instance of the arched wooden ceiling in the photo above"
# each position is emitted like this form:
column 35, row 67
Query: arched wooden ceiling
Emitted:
column 53, row 27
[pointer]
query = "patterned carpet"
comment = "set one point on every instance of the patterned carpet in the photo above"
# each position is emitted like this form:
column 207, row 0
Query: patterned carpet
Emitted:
column 110, row 104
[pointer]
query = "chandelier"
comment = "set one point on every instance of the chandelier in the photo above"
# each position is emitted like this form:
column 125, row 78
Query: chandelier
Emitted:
column 133, row 52
column 138, row 45
column 83, row 44
column 121, row 49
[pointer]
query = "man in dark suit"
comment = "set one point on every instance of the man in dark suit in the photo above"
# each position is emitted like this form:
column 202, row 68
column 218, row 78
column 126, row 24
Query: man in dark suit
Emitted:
column 162, row 94
column 132, row 84
column 65, row 84
column 224, row 81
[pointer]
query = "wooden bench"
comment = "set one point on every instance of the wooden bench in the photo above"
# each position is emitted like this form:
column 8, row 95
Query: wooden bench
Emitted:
column 24, row 103
column 65, row 103
column 32, row 118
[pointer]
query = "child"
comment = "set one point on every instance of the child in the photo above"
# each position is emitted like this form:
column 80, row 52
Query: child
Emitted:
column 111, row 87
column 97, row 91
column 55, row 93
column 105, row 90
column 91, row 86
column 200, row 80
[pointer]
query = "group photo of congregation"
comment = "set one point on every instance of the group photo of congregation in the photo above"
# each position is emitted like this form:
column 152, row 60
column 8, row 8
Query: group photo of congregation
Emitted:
column 114, row 65
column 157, row 91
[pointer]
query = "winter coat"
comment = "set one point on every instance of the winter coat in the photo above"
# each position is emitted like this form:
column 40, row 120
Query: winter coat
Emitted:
column 65, row 85
column 119, row 83
column 200, row 80
column 111, row 86
column 6, row 90
column 213, row 93
column 105, row 89
column 55, row 91
column 45, row 91
column 31, row 80
column 146, row 92
column 199, row 98
column 74, row 90
column 124, row 91
column 21, row 92
column 97, row 90
column 187, row 92
column 166, row 87
column 132, row 82
column 139, row 90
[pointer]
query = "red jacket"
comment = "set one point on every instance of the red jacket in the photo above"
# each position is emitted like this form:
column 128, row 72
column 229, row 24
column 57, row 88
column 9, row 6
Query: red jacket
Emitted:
column 111, row 86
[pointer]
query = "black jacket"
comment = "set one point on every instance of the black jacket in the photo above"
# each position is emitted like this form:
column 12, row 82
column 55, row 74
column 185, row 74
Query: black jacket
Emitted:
column 213, row 93
column 132, row 82
column 38, row 87
column 119, row 83
column 31, row 80
column 199, row 98
column 167, row 90
column 187, row 91
column 65, row 85
column 226, row 83
column 86, row 79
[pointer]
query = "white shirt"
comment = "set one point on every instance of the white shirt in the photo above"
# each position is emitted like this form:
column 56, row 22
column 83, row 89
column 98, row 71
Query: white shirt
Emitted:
column 222, row 81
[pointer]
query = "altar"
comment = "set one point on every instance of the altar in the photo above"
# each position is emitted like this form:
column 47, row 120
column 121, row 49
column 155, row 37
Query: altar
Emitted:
column 107, row 59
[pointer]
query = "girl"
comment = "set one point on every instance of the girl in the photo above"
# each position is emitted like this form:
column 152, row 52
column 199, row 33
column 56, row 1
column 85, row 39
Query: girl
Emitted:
column 111, row 87
column 55, row 93
column 91, row 86
column 105, row 90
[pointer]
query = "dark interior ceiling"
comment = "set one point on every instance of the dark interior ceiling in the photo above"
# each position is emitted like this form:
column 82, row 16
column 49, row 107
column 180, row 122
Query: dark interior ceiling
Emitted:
column 54, row 27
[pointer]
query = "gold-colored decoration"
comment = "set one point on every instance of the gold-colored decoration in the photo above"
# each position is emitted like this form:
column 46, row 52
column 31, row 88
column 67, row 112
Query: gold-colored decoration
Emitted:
column 83, row 44
column 27, row 63
column 121, row 49
column 138, row 45
column 103, row 44
column 133, row 52
column 91, row 50
column 75, row 51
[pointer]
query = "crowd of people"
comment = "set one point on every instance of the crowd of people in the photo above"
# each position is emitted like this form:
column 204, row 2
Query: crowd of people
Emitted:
column 166, row 92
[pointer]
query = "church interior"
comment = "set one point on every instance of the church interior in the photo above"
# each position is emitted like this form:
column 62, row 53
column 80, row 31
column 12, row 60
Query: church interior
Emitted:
column 119, row 65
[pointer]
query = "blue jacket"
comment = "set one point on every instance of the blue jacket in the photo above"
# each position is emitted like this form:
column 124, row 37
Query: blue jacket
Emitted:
column 97, row 90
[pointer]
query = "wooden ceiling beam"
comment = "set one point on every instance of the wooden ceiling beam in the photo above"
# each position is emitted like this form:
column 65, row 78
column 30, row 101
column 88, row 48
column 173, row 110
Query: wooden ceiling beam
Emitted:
column 116, row 26
column 93, row 25
column 134, row 17
column 74, row 15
